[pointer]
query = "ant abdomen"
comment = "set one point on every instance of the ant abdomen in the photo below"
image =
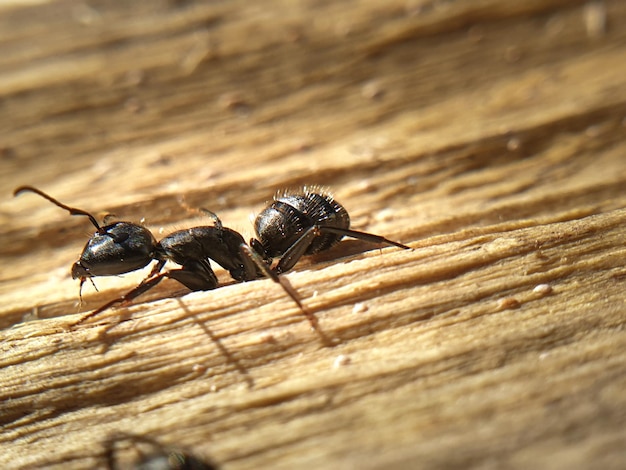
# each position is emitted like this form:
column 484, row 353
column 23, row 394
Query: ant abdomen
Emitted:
column 289, row 217
column 304, row 223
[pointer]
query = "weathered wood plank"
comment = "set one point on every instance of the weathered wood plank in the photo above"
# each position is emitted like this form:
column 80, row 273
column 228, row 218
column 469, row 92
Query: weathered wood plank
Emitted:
column 487, row 136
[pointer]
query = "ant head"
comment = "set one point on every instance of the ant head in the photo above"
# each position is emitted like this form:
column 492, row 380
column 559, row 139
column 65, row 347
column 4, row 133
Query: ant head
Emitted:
column 115, row 249
column 80, row 272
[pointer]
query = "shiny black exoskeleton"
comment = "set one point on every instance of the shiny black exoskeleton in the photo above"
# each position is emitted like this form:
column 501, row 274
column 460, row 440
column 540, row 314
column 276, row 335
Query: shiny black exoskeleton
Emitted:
column 292, row 226
column 304, row 223
column 122, row 247
column 115, row 249
column 132, row 451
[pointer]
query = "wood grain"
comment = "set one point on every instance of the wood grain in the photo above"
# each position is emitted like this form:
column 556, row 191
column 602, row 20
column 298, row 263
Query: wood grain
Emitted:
column 487, row 135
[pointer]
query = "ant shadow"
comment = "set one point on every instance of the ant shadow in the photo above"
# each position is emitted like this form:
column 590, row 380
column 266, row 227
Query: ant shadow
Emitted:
column 346, row 249
column 223, row 349
column 165, row 293
column 107, row 339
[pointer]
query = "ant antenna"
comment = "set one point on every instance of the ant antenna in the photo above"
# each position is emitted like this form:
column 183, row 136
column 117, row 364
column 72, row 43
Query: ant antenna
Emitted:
column 71, row 210
column 217, row 223
column 289, row 290
column 216, row 220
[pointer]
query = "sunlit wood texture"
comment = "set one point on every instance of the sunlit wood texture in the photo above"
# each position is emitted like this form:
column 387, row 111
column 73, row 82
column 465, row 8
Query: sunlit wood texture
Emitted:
column 488, row 135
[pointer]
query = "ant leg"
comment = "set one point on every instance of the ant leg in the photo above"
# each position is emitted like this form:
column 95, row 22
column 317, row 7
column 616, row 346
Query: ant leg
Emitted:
column 71, row 210
column 129, row 296
column 273, row 275
column 155, row 270
column 298, row 249
column 257, row 246
column 194, row 276
column 368, row 237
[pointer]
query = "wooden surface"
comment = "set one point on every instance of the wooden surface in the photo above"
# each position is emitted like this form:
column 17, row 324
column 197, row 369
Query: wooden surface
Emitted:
column 488, row 135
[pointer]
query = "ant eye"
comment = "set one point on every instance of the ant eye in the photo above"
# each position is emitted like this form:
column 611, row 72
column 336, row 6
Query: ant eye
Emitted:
column 119, row 237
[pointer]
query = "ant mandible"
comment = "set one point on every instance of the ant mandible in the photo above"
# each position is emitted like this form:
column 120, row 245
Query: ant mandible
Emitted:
column 292, row 226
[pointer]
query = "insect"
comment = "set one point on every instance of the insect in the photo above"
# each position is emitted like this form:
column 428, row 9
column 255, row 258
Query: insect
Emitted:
column 124, row 450
column 122, row 247
column 292, row 226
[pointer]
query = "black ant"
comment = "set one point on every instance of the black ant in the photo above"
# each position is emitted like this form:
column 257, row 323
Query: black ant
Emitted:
column 132, row 451
column 292, row 226
column 122, row 247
